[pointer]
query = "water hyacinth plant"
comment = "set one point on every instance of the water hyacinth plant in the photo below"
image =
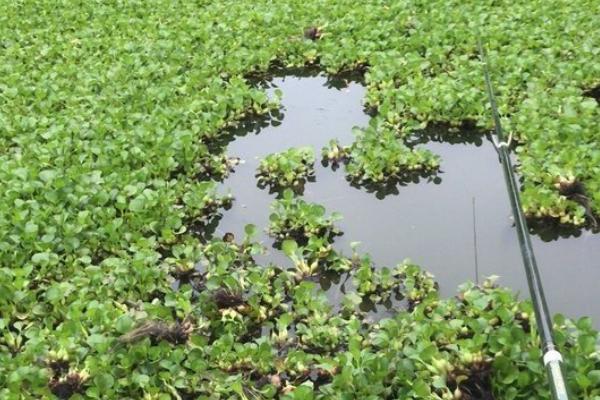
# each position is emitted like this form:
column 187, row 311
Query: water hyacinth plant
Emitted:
column 288, row 169
column 334, row 153
column 378, row 284
column 381, row 157
column 112, row 123
column 294, row 218
column 315, row 258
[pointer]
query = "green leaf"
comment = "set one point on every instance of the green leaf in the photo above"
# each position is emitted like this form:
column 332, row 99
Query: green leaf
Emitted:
column 47, row 175
column 250, row 230
column 104, row 381
column 124, row 324
column 137, row 204
column 41, row 258
column 421, row 389
column 594, row 377
column 289, row 247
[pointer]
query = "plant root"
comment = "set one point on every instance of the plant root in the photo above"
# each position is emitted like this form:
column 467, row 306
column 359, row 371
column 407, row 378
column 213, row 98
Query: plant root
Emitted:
column 312, row 33
column 67, row 386
column 177, row 333
column 226, row 299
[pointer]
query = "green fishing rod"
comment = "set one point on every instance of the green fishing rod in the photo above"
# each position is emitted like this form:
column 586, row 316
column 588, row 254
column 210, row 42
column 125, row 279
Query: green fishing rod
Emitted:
column 552, row 358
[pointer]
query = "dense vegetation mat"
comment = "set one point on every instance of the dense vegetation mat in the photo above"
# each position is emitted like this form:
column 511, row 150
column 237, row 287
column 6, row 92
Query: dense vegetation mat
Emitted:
column 112, row 119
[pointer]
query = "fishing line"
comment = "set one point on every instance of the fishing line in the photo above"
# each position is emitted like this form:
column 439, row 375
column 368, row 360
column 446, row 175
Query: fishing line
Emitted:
column 475, row 242
column 552, row 359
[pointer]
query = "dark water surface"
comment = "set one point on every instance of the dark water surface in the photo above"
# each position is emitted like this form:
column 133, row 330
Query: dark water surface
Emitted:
column 430, row 222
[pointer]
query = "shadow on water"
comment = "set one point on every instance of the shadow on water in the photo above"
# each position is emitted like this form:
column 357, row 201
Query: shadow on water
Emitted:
column 392, row 187
column 427, row 218
column 549, row 230
column 249, row 126
column 276, row 73
column 466, row 133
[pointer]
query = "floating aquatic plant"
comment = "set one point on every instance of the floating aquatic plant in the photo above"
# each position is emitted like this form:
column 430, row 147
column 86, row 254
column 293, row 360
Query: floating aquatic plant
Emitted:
column 335, row 153
column 378, row 157
column 288, row 169
column 113, row 121
column 294, row 218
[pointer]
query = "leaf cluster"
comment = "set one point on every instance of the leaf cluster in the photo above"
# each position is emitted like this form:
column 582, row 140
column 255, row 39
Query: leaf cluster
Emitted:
column 290, row 169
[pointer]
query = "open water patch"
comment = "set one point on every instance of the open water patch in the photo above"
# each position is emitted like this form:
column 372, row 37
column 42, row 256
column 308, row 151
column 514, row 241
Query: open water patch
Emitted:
column 429, row 219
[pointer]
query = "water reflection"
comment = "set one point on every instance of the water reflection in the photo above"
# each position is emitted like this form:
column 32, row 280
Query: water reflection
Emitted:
column 551, row 230
column 392, row 187
column 429, row 219
column 277, row 73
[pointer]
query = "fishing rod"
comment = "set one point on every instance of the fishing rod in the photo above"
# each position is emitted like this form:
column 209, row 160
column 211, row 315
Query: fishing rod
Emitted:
column 551, row 356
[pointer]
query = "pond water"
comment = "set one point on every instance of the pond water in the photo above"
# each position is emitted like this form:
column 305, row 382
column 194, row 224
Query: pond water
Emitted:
column 431, row 222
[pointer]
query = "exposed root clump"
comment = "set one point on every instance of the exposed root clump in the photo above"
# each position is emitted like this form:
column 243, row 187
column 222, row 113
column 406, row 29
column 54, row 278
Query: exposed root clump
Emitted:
column 185, row 271
column 58, row 367
column 473, row 382
column 313, row 33
column 523, row 319
column 574, row 190
column 224, row 298
column 177, row 333
column 570, row 187
column 66, row 386
column 594, row 93
column 58, row 362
